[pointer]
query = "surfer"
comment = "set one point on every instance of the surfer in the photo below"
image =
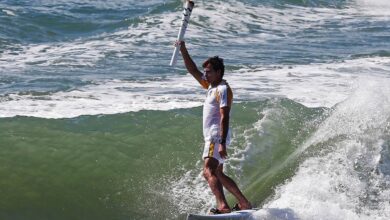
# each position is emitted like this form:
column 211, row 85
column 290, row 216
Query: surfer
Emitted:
column 216, row 115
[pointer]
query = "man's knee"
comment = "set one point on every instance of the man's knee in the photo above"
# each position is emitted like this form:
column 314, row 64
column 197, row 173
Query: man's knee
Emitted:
column 219, row 173
column 210, row 168
column 207, row 173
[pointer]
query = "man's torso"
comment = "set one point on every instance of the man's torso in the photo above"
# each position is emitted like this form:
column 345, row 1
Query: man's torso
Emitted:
column 217, row 97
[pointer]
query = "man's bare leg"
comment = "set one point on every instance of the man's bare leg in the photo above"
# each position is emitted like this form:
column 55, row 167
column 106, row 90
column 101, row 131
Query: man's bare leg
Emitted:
column 209, row 172
column 232, row 187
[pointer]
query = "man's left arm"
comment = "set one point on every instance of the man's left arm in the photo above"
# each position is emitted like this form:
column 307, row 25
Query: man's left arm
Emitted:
column 225, row 116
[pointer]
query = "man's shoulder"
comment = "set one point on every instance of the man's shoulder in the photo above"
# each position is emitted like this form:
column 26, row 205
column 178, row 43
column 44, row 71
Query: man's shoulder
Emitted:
column 224, row 85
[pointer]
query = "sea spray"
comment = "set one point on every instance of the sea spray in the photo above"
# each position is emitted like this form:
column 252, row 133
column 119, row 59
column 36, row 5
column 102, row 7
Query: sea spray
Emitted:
column 343, row 180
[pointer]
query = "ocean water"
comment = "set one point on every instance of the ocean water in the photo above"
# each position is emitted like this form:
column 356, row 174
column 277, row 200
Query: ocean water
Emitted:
column 95, row 124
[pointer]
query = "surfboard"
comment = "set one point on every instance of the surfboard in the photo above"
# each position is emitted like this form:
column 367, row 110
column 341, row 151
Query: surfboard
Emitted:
column 237, row 215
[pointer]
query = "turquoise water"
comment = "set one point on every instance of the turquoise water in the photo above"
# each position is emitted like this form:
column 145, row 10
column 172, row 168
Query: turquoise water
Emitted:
column 94, row 123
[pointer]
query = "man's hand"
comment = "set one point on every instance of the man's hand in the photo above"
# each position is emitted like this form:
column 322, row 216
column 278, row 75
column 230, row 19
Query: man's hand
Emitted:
column 179, row 44
column 222, row 150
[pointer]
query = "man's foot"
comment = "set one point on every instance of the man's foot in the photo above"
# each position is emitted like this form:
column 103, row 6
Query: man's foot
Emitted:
column 215, row 211
column 238, row 207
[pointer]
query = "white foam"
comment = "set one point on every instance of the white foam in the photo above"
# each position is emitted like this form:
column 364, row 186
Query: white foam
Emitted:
column 374, row 7
column 138, row 39
column 113, row 4
column 343, row 182
column 9, row 12
column 191, row 193
column 233, row 20
column 232, row 23
column 108, row 98
column 312, row 85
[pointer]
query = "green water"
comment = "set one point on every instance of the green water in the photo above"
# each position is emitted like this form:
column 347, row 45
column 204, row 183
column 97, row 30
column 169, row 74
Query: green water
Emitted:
column 119, row 166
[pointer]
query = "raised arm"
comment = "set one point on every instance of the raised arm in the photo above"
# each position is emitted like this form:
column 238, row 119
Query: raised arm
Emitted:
column 191, row 66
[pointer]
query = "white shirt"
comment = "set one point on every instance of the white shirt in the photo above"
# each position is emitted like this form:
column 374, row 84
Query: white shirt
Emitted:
column 217, row 97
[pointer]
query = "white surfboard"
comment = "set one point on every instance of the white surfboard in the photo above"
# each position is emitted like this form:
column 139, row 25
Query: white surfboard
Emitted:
column 241, row 215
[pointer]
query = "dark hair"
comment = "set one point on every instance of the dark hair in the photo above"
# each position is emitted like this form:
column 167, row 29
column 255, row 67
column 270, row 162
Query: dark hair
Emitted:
column 216, row 63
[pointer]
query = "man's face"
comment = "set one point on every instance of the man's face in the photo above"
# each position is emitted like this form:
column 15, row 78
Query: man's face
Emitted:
column 212, row 76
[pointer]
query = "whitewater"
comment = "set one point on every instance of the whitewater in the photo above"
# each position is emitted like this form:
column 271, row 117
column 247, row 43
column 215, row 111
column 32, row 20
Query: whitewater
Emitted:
column 90, row 109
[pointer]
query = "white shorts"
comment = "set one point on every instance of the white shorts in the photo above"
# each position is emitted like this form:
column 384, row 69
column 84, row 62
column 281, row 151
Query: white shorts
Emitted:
column 211, row 150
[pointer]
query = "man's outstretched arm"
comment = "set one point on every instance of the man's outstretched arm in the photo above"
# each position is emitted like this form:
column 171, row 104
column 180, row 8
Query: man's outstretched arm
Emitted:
column 191, row 66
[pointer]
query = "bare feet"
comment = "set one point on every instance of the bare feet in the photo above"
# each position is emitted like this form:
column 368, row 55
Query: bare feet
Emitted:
column 243, row 206
column 215, row 211
column 224, row 208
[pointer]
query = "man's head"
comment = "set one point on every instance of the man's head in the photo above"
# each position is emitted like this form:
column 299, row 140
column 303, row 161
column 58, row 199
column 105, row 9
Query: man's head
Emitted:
column 214, row 69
